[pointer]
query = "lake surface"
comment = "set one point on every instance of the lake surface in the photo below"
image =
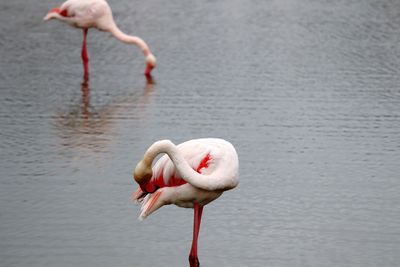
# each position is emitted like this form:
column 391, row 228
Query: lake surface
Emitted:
column 307, row 91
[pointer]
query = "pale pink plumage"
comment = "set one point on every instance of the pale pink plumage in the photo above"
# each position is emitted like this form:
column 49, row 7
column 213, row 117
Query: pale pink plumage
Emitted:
column 191, row 175
column 87, row 14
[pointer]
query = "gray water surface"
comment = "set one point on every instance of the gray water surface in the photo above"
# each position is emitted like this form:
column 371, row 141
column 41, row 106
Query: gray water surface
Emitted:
column 307, row 91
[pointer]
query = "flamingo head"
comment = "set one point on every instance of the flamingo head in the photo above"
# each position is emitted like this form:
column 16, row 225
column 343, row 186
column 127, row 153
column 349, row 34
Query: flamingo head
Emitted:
column 142, row 173
column 150, row 64
column 55, row 13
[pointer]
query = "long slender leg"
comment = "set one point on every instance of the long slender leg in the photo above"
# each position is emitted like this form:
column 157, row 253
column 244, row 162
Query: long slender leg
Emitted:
column 193, row 258
column 85, row 99
column 85, row 57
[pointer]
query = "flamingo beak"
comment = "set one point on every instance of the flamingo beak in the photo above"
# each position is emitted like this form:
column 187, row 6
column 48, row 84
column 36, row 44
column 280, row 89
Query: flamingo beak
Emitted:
column 150, row 64
column 148, row 70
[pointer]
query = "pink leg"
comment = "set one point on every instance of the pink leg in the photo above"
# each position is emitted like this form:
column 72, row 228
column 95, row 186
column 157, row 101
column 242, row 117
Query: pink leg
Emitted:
column 85, row 100
column 85, row 57
column 193, row 259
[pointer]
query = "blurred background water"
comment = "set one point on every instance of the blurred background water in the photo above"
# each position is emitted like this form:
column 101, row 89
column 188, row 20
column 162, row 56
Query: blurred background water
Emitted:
column 307, row 91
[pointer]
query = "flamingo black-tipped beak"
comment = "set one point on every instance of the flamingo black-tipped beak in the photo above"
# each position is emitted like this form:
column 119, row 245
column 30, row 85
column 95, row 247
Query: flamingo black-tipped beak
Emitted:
column 148, row 70
column 150, row 64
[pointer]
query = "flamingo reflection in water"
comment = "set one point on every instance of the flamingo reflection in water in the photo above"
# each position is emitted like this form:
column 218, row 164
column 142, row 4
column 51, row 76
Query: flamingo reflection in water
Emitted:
column 90, row 128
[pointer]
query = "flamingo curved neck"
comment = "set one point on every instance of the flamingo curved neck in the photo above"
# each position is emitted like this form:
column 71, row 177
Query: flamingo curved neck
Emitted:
column 206, row 182
column 128, row 39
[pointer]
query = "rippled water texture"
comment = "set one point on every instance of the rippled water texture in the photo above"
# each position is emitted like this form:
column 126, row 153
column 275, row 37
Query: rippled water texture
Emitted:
column 307, row 91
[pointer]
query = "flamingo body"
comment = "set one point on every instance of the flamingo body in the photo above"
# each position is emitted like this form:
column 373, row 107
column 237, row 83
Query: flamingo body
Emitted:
column 190, row 175
column 85, row 14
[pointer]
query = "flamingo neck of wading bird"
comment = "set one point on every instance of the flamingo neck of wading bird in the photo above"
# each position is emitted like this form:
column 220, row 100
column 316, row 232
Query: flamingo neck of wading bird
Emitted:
column 217, row 180
column 129, row 39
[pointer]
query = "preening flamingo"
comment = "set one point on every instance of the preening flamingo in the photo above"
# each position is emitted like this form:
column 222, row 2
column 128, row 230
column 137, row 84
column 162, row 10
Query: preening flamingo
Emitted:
column 190, row 175
column 87, row 14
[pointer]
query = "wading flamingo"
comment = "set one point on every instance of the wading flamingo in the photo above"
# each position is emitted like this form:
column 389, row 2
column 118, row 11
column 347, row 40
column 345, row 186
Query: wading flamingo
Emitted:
column 190, row 175
column 87, row 14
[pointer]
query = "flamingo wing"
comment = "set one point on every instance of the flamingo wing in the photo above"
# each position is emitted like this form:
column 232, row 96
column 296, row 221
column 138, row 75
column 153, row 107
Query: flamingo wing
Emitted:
column 85, row 13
